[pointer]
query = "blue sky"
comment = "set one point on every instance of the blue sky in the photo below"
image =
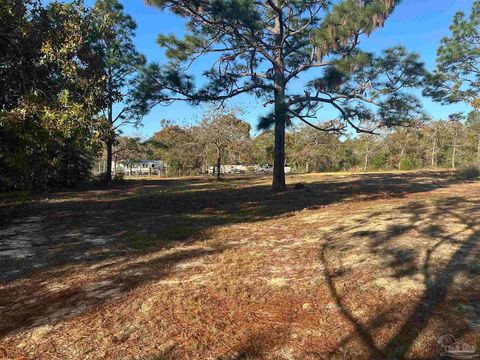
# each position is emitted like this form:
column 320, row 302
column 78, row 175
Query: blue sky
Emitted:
column 417, row 24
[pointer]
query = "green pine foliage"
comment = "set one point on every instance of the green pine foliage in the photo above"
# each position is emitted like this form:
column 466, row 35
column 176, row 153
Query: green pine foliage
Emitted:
column 457, row 74
column 261, row 47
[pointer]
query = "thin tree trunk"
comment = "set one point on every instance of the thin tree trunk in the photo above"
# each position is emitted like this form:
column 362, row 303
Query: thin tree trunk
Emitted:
column 454, row 152
column 453, row 157
column 218, row 167
column 110, row 139
column 365, row 166
column 401, row 158
column 434, row 150
column 108, row 176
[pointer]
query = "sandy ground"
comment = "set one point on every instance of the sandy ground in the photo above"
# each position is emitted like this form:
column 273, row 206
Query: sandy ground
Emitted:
column 365, row 266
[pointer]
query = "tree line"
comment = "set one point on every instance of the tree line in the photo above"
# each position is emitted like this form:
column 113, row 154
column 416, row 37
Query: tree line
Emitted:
column 223, row 138
column 71, row 77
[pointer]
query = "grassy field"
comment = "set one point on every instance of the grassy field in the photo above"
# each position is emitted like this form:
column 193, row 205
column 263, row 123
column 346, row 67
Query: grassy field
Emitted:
column 351, row 266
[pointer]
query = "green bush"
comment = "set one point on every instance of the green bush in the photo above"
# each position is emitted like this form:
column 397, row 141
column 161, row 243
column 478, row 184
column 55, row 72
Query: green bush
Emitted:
column 32, row 158
column 409, row 164
column 379, row 161
column 100, row 177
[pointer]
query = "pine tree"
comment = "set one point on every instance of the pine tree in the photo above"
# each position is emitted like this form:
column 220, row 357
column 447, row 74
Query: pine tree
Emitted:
column 113, row 33
column 456, row 77
column 261, row 47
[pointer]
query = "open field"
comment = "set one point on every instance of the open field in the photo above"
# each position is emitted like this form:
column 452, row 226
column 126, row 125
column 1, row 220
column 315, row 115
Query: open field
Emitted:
column 353, row 266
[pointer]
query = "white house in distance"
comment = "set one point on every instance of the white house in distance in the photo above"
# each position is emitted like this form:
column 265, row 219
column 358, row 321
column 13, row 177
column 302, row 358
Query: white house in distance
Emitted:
column 245, row 169
column 159, row 167
column 140, row 167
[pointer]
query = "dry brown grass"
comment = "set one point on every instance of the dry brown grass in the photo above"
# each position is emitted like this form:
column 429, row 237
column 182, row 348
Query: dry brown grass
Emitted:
column 366, row 266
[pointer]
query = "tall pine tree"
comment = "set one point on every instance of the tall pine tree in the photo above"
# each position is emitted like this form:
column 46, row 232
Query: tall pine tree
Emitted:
column 113, row 33
column 261, row 47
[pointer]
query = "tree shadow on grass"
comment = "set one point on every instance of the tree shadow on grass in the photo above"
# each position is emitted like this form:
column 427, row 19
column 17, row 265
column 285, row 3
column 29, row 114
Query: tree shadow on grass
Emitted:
column 89, row 227
column 47, row 302
column 42, row 241
column 441, row 290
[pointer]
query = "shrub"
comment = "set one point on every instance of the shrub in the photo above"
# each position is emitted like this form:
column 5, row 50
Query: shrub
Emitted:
column 469, row 173
column 409, row 164
column 119, row 176
column 100, row 177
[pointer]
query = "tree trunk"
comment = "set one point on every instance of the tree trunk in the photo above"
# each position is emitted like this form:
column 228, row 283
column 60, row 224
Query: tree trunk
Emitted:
column 434, row 150
column 400, row 160
column 110, row 136
column 454, row 153
column 278, row 181
column 365, row 166
column 108, row 176
column 453, row 157
column 218, row 167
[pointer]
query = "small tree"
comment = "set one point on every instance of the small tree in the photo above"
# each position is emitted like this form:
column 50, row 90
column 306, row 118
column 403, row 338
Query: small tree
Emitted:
column 457, row 137
column 178, row 147
column 317, row 151
column 366, row 146
column 262, row 148
column 261, row 47
column 113, row 33
column 221, row 132
column 404, row 145
column 128, row 150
